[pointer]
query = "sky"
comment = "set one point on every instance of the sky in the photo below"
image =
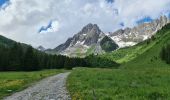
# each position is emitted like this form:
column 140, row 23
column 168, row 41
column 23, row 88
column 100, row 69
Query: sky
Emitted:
column 51, row 22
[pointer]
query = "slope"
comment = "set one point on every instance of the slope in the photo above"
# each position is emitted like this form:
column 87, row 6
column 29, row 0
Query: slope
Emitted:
column 5, row 41
column 151, row 56
column 86, row 42
column 143, row 77
column 154, row 45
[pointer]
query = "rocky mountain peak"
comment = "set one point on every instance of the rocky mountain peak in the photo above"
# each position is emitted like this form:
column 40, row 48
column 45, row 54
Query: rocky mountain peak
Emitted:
column 85, row 42
column 132, row 36
column 89, row 35
column 90, row 28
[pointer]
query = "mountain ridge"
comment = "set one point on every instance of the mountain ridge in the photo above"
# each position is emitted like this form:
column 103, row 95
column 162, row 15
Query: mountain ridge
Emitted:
column 87, row 41
column 132, row 36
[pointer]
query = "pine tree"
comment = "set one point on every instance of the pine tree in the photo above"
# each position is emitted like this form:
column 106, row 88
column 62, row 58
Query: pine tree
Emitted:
column 30, row 60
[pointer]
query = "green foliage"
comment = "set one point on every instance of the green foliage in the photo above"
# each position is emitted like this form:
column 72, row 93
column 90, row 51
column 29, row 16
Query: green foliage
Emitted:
column 108, row 44
column 18, row 57
column 100, row 62
column 30, row 60
column 165, row 54
column 5, row 41
column 124, row 55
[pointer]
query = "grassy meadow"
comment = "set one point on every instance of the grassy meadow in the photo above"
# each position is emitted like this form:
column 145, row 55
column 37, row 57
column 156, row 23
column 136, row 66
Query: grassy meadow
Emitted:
column 11, row 82
column 119, row 84
column 141, row 76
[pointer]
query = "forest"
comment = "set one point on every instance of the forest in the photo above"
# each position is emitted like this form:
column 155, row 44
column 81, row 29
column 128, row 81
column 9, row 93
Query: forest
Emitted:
column 19, row 57
column 165, row 53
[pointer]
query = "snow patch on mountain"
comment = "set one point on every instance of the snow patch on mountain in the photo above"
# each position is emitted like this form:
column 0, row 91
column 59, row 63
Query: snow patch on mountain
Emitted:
column 132, row 36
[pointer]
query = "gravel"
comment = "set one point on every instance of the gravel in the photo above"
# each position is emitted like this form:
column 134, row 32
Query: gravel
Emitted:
column 52, row 88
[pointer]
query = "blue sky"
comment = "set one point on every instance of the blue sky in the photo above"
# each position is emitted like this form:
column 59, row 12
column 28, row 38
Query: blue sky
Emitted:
column 110, row 1
column 44, row 28
column 3, row 2
column 51, row 22
column 144, row 20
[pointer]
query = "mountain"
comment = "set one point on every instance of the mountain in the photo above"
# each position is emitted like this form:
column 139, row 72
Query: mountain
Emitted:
column 5, row 41
column 91, row 40
column 41, row 48
column 132, row 36
column 85, row 42
column 142, row 75
column 151, row 55
column 145, row 54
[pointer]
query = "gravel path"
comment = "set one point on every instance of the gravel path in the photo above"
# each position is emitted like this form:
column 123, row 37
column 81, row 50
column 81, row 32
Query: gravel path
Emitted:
column 52, row 88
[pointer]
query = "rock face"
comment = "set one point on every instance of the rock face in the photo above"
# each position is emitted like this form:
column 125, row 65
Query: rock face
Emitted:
column 91, row 40
column 85, row 42
column 132, row 36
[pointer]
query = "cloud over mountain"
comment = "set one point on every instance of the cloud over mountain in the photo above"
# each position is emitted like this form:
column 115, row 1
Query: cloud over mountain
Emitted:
column 24, row 20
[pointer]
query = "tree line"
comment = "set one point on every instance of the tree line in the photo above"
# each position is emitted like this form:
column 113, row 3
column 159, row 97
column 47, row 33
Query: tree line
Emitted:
column 19, row 57
column 26, row 58
column 165, row 54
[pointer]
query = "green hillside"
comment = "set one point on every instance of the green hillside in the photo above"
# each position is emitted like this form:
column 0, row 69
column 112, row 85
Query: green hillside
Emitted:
column 127, row 54
column 142, row 75
column 16, row 56
column 107, row 44
column 151, row 57
column 150, row 49
column 5, row 41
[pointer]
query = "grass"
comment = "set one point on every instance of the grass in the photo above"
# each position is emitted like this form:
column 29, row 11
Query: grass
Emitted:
column 11, row 82
column 151, row 57
column 119, row 84
column 142, row 75
column 127, row 54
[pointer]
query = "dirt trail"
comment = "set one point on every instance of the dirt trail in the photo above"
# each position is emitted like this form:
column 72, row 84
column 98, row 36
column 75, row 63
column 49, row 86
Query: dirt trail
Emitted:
column 52, row 88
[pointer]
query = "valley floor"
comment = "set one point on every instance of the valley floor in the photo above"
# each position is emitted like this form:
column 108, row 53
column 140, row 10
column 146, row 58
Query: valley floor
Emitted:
column 120, row 84
column 52, row 88
column 89, row 84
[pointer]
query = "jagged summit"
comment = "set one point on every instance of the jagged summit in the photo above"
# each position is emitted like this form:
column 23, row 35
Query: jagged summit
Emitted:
column 91, row 40
column 90, row 27
column 86, row 41
column 132, row 36
column 87, row 36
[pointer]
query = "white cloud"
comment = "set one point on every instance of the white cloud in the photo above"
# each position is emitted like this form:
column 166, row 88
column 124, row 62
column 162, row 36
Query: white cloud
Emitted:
column 22, row 19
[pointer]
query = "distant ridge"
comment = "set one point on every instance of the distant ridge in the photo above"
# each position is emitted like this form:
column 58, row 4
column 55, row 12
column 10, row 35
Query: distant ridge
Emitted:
column 85, row 42
column 88, row 40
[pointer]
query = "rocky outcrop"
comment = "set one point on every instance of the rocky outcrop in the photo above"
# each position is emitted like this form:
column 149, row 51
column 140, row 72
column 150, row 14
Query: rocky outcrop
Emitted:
column 90, row 39
column 85, row 42
column 132, row 36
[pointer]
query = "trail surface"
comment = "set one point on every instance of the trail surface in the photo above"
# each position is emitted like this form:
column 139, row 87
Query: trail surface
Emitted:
column 52, row 88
